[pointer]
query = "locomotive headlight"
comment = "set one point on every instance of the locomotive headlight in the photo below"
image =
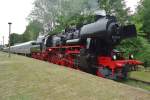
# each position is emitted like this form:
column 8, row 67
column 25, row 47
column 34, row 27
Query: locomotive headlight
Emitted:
column 131, row 56
column 114, row 57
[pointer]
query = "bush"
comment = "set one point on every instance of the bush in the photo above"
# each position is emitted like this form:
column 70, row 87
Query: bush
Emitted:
column 138, row 46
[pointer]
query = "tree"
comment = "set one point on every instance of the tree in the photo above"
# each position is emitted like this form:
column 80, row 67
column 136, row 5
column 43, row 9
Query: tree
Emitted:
column 77, row 20
column 117, row 8
column 143, row 15
column 32, row 31
column 51, row 12
column 15, row 38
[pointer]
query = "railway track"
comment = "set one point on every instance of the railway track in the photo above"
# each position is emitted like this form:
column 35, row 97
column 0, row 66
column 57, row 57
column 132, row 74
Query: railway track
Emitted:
column 136, row 80
column 137, row 83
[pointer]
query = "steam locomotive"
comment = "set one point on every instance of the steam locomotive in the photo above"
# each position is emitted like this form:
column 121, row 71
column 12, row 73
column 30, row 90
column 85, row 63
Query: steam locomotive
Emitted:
column 90, row 49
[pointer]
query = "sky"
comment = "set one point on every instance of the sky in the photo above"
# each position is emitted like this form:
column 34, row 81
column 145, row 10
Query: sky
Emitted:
column 16, row 11
column 132, row 4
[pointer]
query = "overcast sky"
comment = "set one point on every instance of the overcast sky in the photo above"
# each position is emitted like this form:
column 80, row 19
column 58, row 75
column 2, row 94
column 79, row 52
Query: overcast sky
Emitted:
column 16, row 11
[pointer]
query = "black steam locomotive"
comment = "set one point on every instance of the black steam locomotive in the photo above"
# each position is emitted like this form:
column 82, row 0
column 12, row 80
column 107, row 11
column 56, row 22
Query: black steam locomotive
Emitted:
column 90, row 48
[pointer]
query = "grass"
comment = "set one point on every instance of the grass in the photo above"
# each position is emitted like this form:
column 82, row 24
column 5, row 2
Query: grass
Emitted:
column 141, row 75
column 24, row 78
